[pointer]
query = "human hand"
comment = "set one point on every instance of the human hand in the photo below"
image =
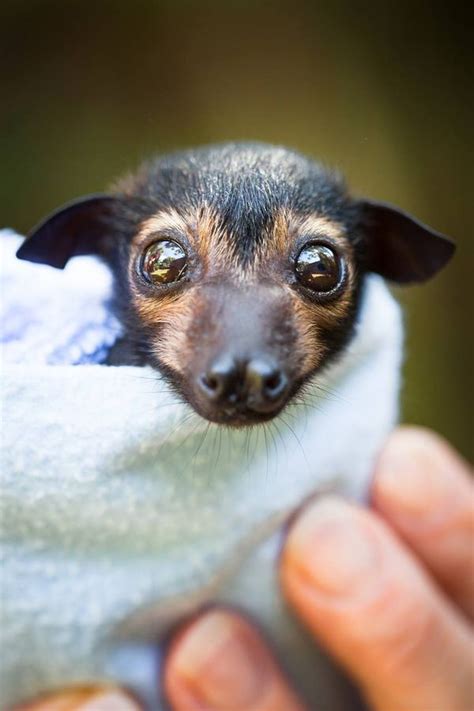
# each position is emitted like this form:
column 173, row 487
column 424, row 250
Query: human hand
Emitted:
column 389, row 592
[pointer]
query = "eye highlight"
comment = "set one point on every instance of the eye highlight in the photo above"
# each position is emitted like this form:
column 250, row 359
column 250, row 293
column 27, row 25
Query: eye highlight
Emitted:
column 163, row 262
column 318, row 267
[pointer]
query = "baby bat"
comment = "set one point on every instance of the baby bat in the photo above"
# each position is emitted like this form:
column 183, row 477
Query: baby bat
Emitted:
column 238, row 269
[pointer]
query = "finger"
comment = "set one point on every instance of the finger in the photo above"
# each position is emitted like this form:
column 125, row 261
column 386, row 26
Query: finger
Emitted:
column 84, row 698
column 424, row 490
column 375, row 609
column 219, row 662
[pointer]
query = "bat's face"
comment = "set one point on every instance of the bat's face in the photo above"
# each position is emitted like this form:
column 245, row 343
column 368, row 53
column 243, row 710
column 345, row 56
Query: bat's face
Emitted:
column 239, row 269
column 238, row 332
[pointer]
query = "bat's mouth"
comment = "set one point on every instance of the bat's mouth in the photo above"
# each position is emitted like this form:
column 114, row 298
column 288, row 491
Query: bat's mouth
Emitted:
column 237, row 418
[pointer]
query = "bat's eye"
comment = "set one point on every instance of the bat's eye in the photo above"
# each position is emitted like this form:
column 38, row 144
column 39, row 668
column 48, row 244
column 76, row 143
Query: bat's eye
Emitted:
column 318, row 267
column 163, row 262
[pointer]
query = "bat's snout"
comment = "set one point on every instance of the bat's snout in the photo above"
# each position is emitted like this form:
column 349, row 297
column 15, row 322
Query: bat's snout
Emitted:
column 237, row 355
column 242, row 390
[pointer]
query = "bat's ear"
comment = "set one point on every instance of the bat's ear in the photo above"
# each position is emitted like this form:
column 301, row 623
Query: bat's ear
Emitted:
column 80, row 227
column 399, row 247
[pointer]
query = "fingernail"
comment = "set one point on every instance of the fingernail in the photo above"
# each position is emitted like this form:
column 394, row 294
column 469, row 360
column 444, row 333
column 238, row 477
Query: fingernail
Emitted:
column 330, row 548
column 109, row 701
column 218, row 664
column 412, row 474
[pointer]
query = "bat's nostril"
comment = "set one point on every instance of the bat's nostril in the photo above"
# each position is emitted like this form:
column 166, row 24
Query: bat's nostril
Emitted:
column 274, row 383
column 266, row 384
column 210, row 382
column 220, row 380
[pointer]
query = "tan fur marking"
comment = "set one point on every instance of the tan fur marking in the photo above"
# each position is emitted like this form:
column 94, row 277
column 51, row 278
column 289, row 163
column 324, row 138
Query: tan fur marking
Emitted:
column 171, row 316
column 286, row 227
column 274, row 250
column 283, row 232
column 322, row 227
column 165, row 219
column 213, row 245
column 172, row 347
column 309, row 346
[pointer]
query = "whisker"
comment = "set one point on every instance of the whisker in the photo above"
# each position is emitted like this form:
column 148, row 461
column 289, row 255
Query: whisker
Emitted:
column 202, row 441
column 266, row 450
column 184, row 420
column 293, row 432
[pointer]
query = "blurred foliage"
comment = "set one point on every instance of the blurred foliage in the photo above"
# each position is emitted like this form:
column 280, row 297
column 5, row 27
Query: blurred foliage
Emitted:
column 381, row 90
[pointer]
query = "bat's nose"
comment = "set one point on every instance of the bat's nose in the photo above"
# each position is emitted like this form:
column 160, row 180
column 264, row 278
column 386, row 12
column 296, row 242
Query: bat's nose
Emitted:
column 256, row 384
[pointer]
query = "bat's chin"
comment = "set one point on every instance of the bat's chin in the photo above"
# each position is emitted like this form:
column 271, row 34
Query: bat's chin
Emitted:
column 237, row 418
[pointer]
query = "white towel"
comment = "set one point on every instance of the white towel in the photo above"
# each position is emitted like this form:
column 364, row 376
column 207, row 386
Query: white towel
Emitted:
column 122, row 510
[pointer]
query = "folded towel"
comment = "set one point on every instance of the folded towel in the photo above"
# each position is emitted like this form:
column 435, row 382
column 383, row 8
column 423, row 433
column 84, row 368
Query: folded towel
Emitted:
column 54, row 317
column 123, row 511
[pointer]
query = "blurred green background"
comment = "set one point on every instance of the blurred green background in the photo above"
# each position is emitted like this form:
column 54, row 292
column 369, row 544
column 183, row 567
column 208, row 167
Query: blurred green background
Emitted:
column 380, row 90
